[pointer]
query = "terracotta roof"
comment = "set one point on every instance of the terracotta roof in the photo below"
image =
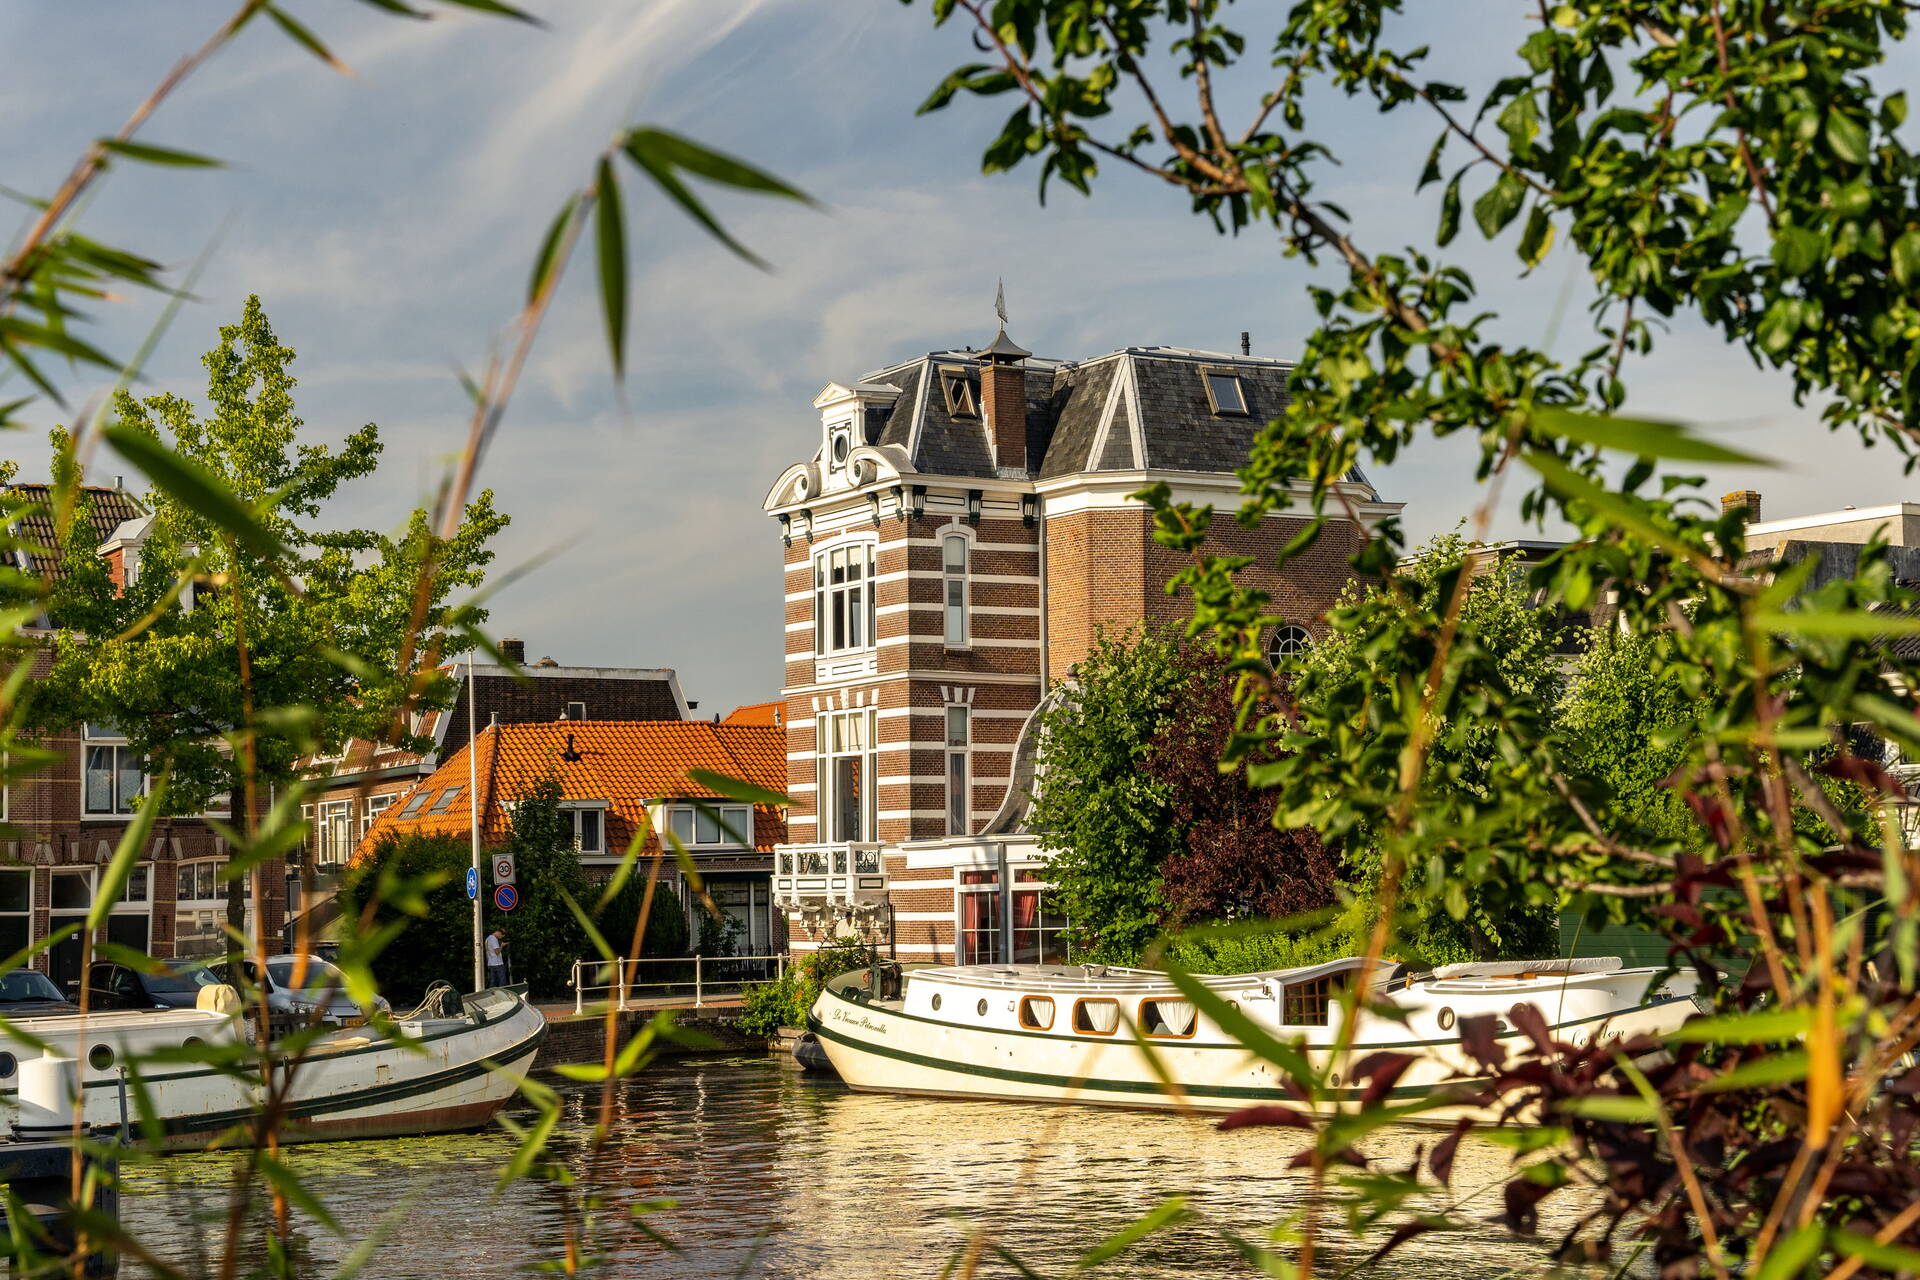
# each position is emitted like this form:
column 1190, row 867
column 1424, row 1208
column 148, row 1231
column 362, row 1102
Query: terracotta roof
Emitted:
column 774, row 713
column 626, row 763
column 111, row 509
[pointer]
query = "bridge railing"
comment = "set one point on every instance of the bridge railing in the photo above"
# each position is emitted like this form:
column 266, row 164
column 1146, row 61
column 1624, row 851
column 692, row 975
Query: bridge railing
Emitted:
column 631, row 983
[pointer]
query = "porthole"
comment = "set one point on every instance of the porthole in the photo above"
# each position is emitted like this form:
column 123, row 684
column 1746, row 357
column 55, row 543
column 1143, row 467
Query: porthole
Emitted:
column 100, row 1057
column 936, row 1002
column 8, row 1065
column 1335, row 1080
column 192, row 1042
column 1445, row 1019
column 841, row 443
column 981, row 1008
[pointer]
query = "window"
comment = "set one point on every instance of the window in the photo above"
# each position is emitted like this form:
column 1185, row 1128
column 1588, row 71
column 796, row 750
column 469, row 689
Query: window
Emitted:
column 839, row 445
column 843, row 614
column 848, row 765
column 959, row 796
column 953, row 569
column 1096, row 1017
column 959, row 393
column 112, row 779
column 1036, row 1012
column 576, row 711
column 417, row 802
column 376, row 805
column 16, row 910
column 332, row 832
column 1167, row 1019
column 588, row 829
column 1038, row 932
column 447, row 797
column 198, row 882
column 1224, row 393
column 1286, row 644
column 1305, row 1003
column 710, row 825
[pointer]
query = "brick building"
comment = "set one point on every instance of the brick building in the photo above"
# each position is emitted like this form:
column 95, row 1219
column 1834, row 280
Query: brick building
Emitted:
column 64, row 819
column 964, row 528
column 621, row 780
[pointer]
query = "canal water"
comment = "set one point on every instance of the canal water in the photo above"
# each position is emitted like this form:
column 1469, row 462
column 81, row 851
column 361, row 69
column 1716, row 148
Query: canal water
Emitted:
column 778, row 1174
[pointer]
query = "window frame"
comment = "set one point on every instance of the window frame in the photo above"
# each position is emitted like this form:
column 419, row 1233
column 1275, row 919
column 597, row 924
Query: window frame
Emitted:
column 100, row 737
column 416, row 803
column 583, row 711
column 957, row 387
column 862, row 617
column 1290, row 634
column 1084, row 1000
column 959, row 765
column 1021, row 1014
column 375, row 806
column 1207, row 375
column 1296, row 1010
column 1140, row 1019
column 827, row 757
column 572, row 814
column 956, row 581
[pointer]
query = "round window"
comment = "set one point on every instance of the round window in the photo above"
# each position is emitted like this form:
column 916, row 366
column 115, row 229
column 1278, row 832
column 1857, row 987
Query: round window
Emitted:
column 1286, row 644
column 100, row 1057
column 1445, row 1019
column 8, row 1065
column 981, row 1008
column 841, row 443
column 936, row 1002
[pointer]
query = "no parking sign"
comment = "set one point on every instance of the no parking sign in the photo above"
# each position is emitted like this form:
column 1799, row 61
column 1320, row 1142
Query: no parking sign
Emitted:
column 506, row 897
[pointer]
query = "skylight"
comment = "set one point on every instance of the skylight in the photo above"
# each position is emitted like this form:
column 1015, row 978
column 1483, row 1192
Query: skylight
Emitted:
column 1225, row 393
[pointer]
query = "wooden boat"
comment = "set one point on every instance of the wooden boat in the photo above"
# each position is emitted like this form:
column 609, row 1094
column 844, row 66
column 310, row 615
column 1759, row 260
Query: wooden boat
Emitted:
column 1076, row 1034
column 356, row 1082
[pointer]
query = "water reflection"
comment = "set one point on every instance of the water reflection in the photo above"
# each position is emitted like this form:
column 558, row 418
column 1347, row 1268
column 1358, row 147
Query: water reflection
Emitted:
column 780, row 1175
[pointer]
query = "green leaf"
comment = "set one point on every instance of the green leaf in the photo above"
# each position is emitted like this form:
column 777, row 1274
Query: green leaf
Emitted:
column 1538, row 237
column 1848, row 138
column 543, row 263
column 1906, row 258
column 306, row 39
column 1431, row 173
column 195, row 487
column 1744, row 1028
column 1775, row 1068
column 1643, row 437
column 1244, row 1030
column 498, row 9
column 1497, row 206
column 1791, row 1254
column 1450, row 211
column 147, row 153
column 1887, row 1257
column 610, row 231
column 1852, row 624
column 660, row 154
column 1574, row 487
column 1166, row 1212
column 1611, row 1108
column 735, row 789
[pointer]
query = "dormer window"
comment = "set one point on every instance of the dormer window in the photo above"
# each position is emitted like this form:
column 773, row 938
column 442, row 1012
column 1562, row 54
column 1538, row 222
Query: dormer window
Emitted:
column 959, row 391
column 1224, row 393
column 839, row 445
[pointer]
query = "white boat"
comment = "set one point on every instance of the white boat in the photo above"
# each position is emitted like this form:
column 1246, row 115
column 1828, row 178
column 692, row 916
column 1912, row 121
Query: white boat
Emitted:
column 1078, row 1034
column 353, row 1083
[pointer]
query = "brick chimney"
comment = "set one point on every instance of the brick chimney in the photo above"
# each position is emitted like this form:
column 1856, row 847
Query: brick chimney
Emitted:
column 515, row 650
column 1003, row 401
column 1748, row 498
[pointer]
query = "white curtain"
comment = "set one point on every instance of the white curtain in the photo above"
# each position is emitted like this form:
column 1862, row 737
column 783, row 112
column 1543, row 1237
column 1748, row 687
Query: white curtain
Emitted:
column 1039, row 1011
column 1101, row 1016
column 1176, row 1015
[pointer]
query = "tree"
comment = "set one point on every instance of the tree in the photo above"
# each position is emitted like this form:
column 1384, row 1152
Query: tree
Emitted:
column 311, row 621
column 543, row 931
column 434, row 938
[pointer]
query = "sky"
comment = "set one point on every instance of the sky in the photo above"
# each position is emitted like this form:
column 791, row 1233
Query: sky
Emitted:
column 388, row 220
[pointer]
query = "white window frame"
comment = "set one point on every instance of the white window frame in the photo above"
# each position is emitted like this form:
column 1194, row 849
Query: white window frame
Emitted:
column 1287, row 642
column 959, row 762
column 583, row 711
column 570, row 812
column 376, row 805
column 26, row 914
column 956, row 616
column 862, row 616
column 839, row 431
column 185, row 872
column 92, row 736
column 861, row 723
column 732, row 825
column 332, row 831
column 958, row 390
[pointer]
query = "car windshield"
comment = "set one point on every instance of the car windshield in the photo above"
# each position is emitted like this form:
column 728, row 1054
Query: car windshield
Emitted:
column 184, row 980
column 319, row 976
column 24, row 985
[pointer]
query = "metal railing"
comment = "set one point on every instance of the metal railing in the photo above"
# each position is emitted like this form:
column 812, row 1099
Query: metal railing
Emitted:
column 669, row 978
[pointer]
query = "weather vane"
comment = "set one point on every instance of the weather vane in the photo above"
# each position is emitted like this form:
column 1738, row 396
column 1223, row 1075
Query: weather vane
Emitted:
column 1000, row 301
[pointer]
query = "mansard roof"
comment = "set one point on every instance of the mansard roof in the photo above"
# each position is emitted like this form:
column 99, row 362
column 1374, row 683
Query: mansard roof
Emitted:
column 1137, row 409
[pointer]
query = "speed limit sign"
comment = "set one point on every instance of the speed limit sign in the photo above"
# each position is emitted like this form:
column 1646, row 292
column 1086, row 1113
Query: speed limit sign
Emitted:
column 503, row 868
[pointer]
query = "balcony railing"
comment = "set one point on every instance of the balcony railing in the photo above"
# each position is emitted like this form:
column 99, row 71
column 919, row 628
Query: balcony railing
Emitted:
column 821, row 878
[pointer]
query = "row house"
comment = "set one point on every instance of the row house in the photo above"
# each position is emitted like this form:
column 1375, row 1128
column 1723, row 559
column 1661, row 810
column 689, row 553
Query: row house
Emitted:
column 964, row 529
column 622, row 781
column 63, row 819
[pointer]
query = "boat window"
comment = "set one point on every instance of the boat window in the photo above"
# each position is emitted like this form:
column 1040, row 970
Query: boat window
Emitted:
column 8, row 1065
column 1096, row 1017
column 981, row 1008
column 1036, row 1012
column 936, row 1002
column 1306, row 1003
column 1170, row 1018
column 100, row 1057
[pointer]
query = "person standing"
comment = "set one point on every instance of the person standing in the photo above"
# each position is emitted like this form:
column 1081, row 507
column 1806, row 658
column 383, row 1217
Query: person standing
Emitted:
column 496, row 957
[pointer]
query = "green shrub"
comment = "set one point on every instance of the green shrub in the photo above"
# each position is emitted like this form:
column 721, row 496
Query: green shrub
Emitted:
column 767, row 1006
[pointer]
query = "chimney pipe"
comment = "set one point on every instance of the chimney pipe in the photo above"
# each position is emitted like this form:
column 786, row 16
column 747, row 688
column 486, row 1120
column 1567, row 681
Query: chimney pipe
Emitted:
column 515, row 650
column 1246, row 343
column 1748, row 498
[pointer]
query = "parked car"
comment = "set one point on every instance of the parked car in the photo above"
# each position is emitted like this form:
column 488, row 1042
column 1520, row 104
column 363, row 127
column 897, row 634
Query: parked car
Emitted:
column 321, row 981
column 175, row 986
column 28, row 993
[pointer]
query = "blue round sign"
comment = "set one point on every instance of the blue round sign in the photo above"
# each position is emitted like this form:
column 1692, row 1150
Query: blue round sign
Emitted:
column 473, row 883
column 506, row 897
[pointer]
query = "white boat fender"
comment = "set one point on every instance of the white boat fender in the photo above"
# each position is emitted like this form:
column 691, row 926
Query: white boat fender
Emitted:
column 219, row 998
column 48, row 1086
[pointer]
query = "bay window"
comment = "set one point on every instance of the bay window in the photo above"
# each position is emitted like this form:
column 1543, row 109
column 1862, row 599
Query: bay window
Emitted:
column 843, row 607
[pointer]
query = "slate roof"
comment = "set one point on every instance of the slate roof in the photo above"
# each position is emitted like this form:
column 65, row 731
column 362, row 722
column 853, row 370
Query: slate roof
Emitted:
column 1141, row 408
column 625, row 763
column 109, row 509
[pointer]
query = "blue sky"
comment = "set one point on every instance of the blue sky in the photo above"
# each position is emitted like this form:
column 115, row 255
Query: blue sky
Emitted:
column 388, row 219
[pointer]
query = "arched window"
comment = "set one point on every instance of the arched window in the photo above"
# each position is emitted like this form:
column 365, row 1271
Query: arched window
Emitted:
column 953, row 563
column 1287, row 644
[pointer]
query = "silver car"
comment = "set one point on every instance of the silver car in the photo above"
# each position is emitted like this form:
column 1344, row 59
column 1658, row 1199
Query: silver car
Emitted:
column 320, row 982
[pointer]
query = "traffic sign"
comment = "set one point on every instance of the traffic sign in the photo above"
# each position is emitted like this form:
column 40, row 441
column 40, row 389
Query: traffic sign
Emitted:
column 473, row 882
column 503, row 868
column 506, row 897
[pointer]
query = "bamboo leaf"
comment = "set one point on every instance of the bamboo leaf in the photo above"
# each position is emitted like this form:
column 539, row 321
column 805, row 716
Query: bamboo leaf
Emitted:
column 1745, row 1028
column 1610, row 1108
column 132, row 846
column 306, row 39
column 199, row 489
column 1851, row 625
column 1643, row 437
column 498, row 9
column 611, row 232
column 147, row 153
column 1168, row 1211
column 1775, row 1068
column 543, row 263
column 736, row 789
column 1791, row 1254
column 714, row 166
column 1891, row 1258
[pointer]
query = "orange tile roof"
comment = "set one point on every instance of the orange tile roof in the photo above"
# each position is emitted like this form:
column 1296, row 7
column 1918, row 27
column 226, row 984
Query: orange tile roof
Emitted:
column 758, row 713
column 626, row 763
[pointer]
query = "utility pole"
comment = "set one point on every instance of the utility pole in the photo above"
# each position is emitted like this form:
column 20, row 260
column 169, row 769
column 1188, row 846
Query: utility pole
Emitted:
column 473, row 808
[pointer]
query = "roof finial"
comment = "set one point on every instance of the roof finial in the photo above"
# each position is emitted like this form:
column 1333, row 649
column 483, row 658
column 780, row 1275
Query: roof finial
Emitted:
column 1000, row 301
